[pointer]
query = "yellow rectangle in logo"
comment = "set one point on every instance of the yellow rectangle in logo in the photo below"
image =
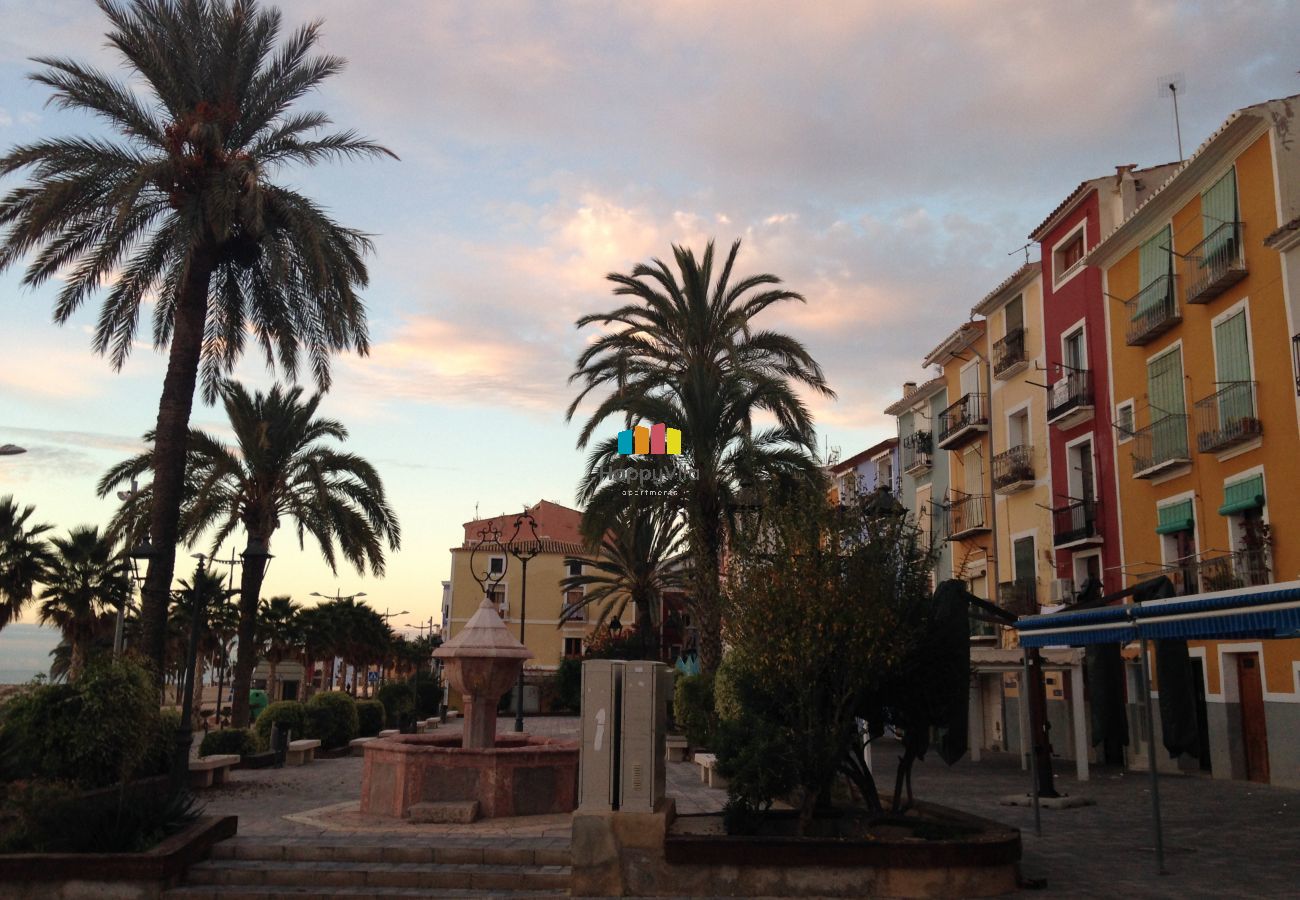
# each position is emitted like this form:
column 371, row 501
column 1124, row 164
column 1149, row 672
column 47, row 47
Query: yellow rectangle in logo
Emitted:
column 673, row 441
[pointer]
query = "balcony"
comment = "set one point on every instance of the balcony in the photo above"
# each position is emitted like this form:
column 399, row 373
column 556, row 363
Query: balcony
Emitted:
column 1075, row 524
column 967, row 514
column 1160, row 446
column 1020, row 597
column 1009, row 354
column 1013, row 470
column 1217, row 570
column 1215, row 264
column 1069, row 400
column 963, row 420
column 1152, row 312
column 916, row 453
column 1227, row 417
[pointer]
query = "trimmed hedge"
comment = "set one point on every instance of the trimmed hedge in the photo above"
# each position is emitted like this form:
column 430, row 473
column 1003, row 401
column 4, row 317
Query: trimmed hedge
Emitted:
column 397, row 698
column 228, row 740
column 288, row 714
column 370, row 718
column 332, row 718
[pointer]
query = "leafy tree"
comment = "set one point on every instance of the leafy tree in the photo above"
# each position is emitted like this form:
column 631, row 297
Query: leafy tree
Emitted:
column 685, row 351
column 24, row 556
column 181, row 205
column 87, row 577
column 279, row 469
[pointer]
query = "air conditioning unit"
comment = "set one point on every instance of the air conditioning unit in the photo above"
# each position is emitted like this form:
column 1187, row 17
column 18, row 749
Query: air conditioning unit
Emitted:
column 1062, row 590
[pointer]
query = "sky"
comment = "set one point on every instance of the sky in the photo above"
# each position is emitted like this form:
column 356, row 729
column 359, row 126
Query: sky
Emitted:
column 885, row 159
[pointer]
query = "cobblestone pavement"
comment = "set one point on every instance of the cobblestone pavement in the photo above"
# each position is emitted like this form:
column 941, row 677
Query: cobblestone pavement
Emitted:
column 1222, row 838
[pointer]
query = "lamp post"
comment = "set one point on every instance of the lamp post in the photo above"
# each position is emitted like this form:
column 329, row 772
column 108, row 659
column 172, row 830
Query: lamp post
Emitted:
column 338, row 597
column 419, row 664
column 523, row 552
column 221, row 638
column 185, row 731
column 383, row 668
column 141, row 553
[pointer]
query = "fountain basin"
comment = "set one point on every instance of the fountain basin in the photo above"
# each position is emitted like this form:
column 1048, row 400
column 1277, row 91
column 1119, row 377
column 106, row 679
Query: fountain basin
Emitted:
column 522, row 775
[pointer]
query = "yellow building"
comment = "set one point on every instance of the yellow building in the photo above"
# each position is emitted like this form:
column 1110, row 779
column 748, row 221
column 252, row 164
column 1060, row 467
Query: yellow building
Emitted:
column 559, row 536
column 1204, row 399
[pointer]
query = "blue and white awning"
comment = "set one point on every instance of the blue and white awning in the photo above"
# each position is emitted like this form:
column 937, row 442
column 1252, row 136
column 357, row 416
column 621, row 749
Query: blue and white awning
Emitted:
column 1269, row 611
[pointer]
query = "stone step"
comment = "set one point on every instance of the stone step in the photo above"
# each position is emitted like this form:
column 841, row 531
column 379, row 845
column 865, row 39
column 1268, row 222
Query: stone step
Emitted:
column 329, row 875
column 513, row 855
column 245, row 892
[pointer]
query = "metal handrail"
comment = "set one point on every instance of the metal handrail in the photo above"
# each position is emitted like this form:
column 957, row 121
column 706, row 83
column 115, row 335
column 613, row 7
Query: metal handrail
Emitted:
column 1215, row 264
column 1152, row 311
column 1162, row 442
column 970, row 409
column 1227, row 417
column 1009, row 350
column 1013, row 465
column 1069, row 392
column 1076, row 521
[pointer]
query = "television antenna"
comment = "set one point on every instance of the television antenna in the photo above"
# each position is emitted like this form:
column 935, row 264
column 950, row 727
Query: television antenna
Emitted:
column 1024, row 248
column 1171, row 86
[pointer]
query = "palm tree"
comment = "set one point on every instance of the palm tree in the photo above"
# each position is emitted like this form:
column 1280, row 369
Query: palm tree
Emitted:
column 280, row 470
column 24, row 557
column 320, row 640
column 686, row 353
column 181, row 206
column 87, row 578
column 279, row 634
column 206, row 590
column 637, row 562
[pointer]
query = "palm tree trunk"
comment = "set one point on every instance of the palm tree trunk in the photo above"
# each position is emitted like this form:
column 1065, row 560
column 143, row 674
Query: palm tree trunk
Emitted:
column 171, row 437
column 707, row 537
column 196, row 715
column 272, row 661
column 78, row 662
column 250, row 590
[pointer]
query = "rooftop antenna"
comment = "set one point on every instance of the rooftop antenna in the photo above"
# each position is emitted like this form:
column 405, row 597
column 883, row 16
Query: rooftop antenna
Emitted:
column 1024, row 248
column 1169, row 86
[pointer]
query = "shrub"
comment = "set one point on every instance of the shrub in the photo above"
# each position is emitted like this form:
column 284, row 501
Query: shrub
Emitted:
column 568, row 685
column 162, row 744
column 726, row 696
column 228, row 740
column 288, row 714
column 428, row 695
column 58, row 817
column 398, row 698
column 370, row 718
column 693, row 708
column 332, row 718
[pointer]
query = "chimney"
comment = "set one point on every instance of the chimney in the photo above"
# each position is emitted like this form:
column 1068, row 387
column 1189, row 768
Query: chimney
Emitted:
column 909, row 388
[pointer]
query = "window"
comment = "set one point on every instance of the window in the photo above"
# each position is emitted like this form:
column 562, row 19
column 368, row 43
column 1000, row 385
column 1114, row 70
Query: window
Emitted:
column 575, row 569
column 497, row 594
column 573, row 601
column 1018, row 429
column 1015, row 315
column 1124, row 421
column 1074, row 352
column 1219, row 218
column 1080, row 473
column 1067, row 256
column 1022, row 553
column 572, row 647
column 497, row 565
column 1168, row 406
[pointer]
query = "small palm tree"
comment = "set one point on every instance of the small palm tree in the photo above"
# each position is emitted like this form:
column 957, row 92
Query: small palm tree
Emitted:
column 87, row 578
column 24, row 557
column 637, row 562
column 280, row 469
column 181, row 205
column 279, row 634
column 206, row 590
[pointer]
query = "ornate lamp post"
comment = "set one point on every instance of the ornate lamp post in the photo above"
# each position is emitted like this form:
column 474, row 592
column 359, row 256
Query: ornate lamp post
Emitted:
column 141, row 553
column 523, row 551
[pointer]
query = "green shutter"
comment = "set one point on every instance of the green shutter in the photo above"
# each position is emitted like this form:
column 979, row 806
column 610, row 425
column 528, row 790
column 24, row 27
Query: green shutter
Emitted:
column 1176, row 517
column 1243, row 495
column 1232, row 364
column 1219, row 208
column 1165, row 396
column 1154, row 262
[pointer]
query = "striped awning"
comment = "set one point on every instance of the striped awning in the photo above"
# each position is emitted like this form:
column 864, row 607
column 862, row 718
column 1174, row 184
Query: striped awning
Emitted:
column 1175, row 517
column 1243, row 495
column 1270, row 611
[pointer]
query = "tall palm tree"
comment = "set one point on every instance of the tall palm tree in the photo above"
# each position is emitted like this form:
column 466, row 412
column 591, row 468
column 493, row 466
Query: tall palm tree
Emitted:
column 320, row 640
column 684, row 351
column 24, row 557
column 181, row 205
column 637, row 562
column 280, row 469
column 205, row 590
column 279, row 634
column 87, row 578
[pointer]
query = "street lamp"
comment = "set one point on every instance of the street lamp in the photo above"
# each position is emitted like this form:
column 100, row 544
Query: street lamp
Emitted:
column 11, row 449
column 338, row 597
column 523, row 552
column 140, row 555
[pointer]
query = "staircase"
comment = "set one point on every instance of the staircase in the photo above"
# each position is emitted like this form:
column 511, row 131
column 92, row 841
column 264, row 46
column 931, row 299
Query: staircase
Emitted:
column 259, row 869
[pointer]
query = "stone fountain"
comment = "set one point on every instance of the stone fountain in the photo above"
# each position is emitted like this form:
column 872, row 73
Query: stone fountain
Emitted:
column 428, row 777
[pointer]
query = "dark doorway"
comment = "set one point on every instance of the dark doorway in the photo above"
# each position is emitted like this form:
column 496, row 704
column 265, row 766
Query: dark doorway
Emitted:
column 1202, row 719
column 1254, row 734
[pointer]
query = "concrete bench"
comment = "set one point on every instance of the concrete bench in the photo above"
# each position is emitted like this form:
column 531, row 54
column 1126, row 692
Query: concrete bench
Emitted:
column 705, row 761
column 358, row 745
column 207, row 771
column 390, row 732
column 452, row 714
column 301, row 752
column 675, row 748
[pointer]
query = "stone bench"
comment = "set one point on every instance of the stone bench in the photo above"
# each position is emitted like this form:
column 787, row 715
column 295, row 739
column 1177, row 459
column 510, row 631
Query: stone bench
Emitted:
column 207, row 771
column 358, row 745
column 675, row 748
column 708, row 764
column 301, row 752
column 390, row 732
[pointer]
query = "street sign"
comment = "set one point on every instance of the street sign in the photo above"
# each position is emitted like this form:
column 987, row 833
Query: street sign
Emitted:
column 372, row 677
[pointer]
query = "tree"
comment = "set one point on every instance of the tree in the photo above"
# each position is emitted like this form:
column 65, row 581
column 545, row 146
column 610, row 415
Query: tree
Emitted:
column 24, row 557
column 206, row 590
column 279, row 469
column 181, row 205
column 686, row 353
column 87, row 577
column 279, row 634
column 637, row 562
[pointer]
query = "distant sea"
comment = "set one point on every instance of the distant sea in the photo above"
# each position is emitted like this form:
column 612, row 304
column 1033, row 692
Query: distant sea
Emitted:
column 25, row 651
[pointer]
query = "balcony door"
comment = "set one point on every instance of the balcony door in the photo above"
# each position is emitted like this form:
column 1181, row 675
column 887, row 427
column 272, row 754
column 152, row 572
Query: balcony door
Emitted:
column 1219, row 209
column 1074, row 352
column 1155, row 261
column 1232, row 368
column 1015, row 315
column 970, row 381
column 1082, row 474
column 1022, row 553
column 1165, row 396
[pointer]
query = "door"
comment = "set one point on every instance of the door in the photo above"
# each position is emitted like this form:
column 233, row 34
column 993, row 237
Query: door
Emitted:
column 1155, row 266
column 1168, row 407
column 1073, row 356
column 1218, row 219
column 1023, row 555
column 1254, row 734
column 1232, row 368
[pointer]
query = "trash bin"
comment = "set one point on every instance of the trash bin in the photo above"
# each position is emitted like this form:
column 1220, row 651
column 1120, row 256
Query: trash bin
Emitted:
column 257, row 701
column 280, row 743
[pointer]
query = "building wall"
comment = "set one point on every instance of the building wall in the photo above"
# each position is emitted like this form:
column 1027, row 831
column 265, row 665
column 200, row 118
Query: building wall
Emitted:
column 969, row 555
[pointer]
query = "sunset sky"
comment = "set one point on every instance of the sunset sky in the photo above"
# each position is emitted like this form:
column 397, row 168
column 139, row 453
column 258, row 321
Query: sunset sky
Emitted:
column 886, row 159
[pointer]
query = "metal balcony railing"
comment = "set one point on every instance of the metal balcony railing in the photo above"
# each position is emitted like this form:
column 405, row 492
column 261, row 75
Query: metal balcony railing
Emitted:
column 967, row 514
column 1217, row 570
column 1013, row 467
column 1009, row 352
column 1019, row 597
column 963, row 419
column 916, row 452
column 1152, row 312
column 1159, row 446
column 1215, row 264
column 1074, row 522
column 1227, row 417
column 1074, row 391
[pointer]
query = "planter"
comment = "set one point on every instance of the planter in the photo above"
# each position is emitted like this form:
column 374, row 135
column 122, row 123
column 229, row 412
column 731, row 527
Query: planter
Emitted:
column 123, row 876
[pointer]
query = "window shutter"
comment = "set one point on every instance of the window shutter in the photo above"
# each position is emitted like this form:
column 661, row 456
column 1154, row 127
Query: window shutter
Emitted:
column 1165, row 395
column 1232, row 349
column 1154, row 258
column 1243, row 495
column 1015, row 314
column 1175, row 517
column 1219, row 208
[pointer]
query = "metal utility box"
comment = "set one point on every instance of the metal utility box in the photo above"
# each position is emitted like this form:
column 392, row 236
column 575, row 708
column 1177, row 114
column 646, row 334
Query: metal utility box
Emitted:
column 642, row 774
column 602, row 687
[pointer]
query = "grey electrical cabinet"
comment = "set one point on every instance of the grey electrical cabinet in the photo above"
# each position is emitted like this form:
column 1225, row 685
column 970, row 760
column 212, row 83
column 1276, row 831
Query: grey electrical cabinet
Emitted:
column 602, row 688
column 642, row 775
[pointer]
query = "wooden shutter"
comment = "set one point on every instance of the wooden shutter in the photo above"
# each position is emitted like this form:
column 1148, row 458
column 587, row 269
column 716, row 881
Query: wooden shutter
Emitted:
column 1165, row 395
column 1219, row 208
column 1232, row 349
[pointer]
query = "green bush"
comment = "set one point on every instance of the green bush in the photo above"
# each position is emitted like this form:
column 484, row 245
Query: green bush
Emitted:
column 288, row 714
column 726, row 699
column 59, row 817
column 162, row 745
column 397, row 697
column 370, row 718
column 693, row 709
column 95, row 732
column 428, row 698
column 568, row 685
column 332, row 718
column 228, row 740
